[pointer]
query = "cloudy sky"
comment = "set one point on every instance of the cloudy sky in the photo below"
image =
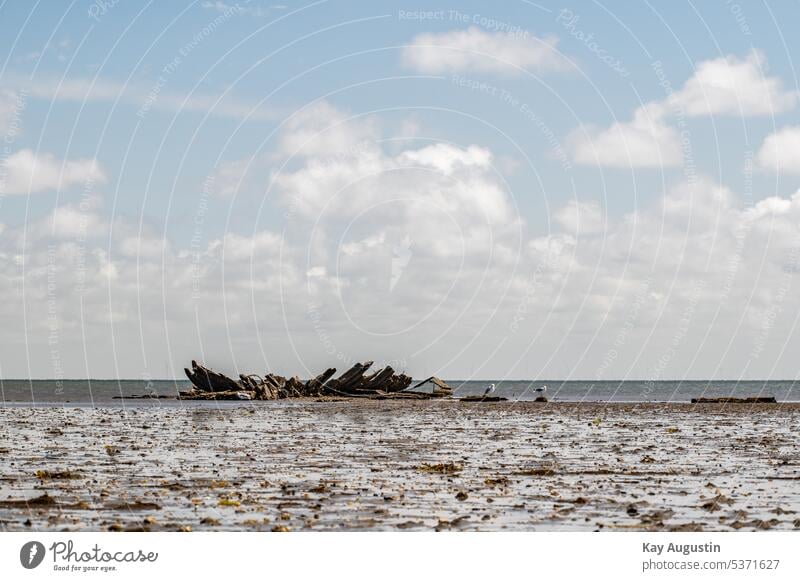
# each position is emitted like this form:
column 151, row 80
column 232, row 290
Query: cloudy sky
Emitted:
column 576, row 190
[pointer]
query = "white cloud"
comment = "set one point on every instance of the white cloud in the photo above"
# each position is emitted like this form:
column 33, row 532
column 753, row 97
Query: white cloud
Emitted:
column 323, row 133
column 230, row 175
column 26, row 173
column 354, row 198
column 781, row 151
column 156, row 95
column 475, row 50
column 448, row 159
column 645, row 141
column 723, row 86
column 443, row 177
column 733, row 86
column 678, row 287
column 580, row 218
column 416, row 255
column 689, row 285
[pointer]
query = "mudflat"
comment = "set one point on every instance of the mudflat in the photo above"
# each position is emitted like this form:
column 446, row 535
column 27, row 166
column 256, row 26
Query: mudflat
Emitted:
column 407, row 465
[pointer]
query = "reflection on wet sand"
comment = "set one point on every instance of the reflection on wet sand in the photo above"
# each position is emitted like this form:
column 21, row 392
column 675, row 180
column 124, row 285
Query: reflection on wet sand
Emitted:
column 365, row 465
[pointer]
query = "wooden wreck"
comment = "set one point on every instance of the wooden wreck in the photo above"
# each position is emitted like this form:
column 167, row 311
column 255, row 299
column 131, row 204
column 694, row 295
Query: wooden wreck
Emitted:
column 756, row 399
column 355, row 382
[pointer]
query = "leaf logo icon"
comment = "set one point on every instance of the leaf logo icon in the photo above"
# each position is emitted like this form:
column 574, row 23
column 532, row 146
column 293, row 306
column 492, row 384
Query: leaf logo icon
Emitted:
column 31, row 554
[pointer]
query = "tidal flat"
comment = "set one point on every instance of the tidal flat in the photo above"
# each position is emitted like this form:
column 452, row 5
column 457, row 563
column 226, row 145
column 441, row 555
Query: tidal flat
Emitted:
column 408, row 465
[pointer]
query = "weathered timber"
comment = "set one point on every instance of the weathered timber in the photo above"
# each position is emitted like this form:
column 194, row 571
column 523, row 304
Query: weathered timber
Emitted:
column 767, row 399
column 438, row 387
column 404, row 395
column 382, row 383
column 218, row 395
column 262, row 388
column 205, row 379
column 482, row 399
column 293, row 387
column 399, row 383
column 378, row 380
column 316, row 386
column 351, row 378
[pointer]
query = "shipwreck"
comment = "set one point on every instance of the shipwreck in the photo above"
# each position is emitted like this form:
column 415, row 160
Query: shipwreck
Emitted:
column 356, row 382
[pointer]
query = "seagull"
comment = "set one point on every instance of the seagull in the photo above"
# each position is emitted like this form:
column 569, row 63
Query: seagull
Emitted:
column 541, row 389
column 489, row 390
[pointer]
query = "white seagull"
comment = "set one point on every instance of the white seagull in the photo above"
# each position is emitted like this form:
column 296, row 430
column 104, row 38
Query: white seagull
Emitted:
column 489, row 390
column 541, row 389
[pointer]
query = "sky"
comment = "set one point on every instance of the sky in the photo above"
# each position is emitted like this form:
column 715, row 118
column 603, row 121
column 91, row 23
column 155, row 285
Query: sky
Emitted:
column 473, row 190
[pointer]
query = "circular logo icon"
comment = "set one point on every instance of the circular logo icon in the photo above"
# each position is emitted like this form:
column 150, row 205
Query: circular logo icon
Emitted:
column 31, row 554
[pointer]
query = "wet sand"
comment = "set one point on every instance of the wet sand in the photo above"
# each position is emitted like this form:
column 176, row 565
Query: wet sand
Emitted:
column 377, row 465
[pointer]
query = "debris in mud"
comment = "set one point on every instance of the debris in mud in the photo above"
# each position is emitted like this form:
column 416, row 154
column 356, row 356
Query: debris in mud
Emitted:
column 361, row 465
column 539, row 471
column 445, row 468
column 451, row 524
column 690, row 527
column 656, row 518
column 759, row 524
column 767, row 399
column 133, row 505
column 58, row 475
column 43, row 500
column 482, row 398
column 716, row 503
column 501, row 481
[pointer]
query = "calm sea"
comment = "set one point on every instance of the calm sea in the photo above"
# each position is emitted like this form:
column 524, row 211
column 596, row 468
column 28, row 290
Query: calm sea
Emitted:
column 108, row 392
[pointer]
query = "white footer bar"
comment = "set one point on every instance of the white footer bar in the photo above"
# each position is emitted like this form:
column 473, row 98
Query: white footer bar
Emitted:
column 377, row 556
